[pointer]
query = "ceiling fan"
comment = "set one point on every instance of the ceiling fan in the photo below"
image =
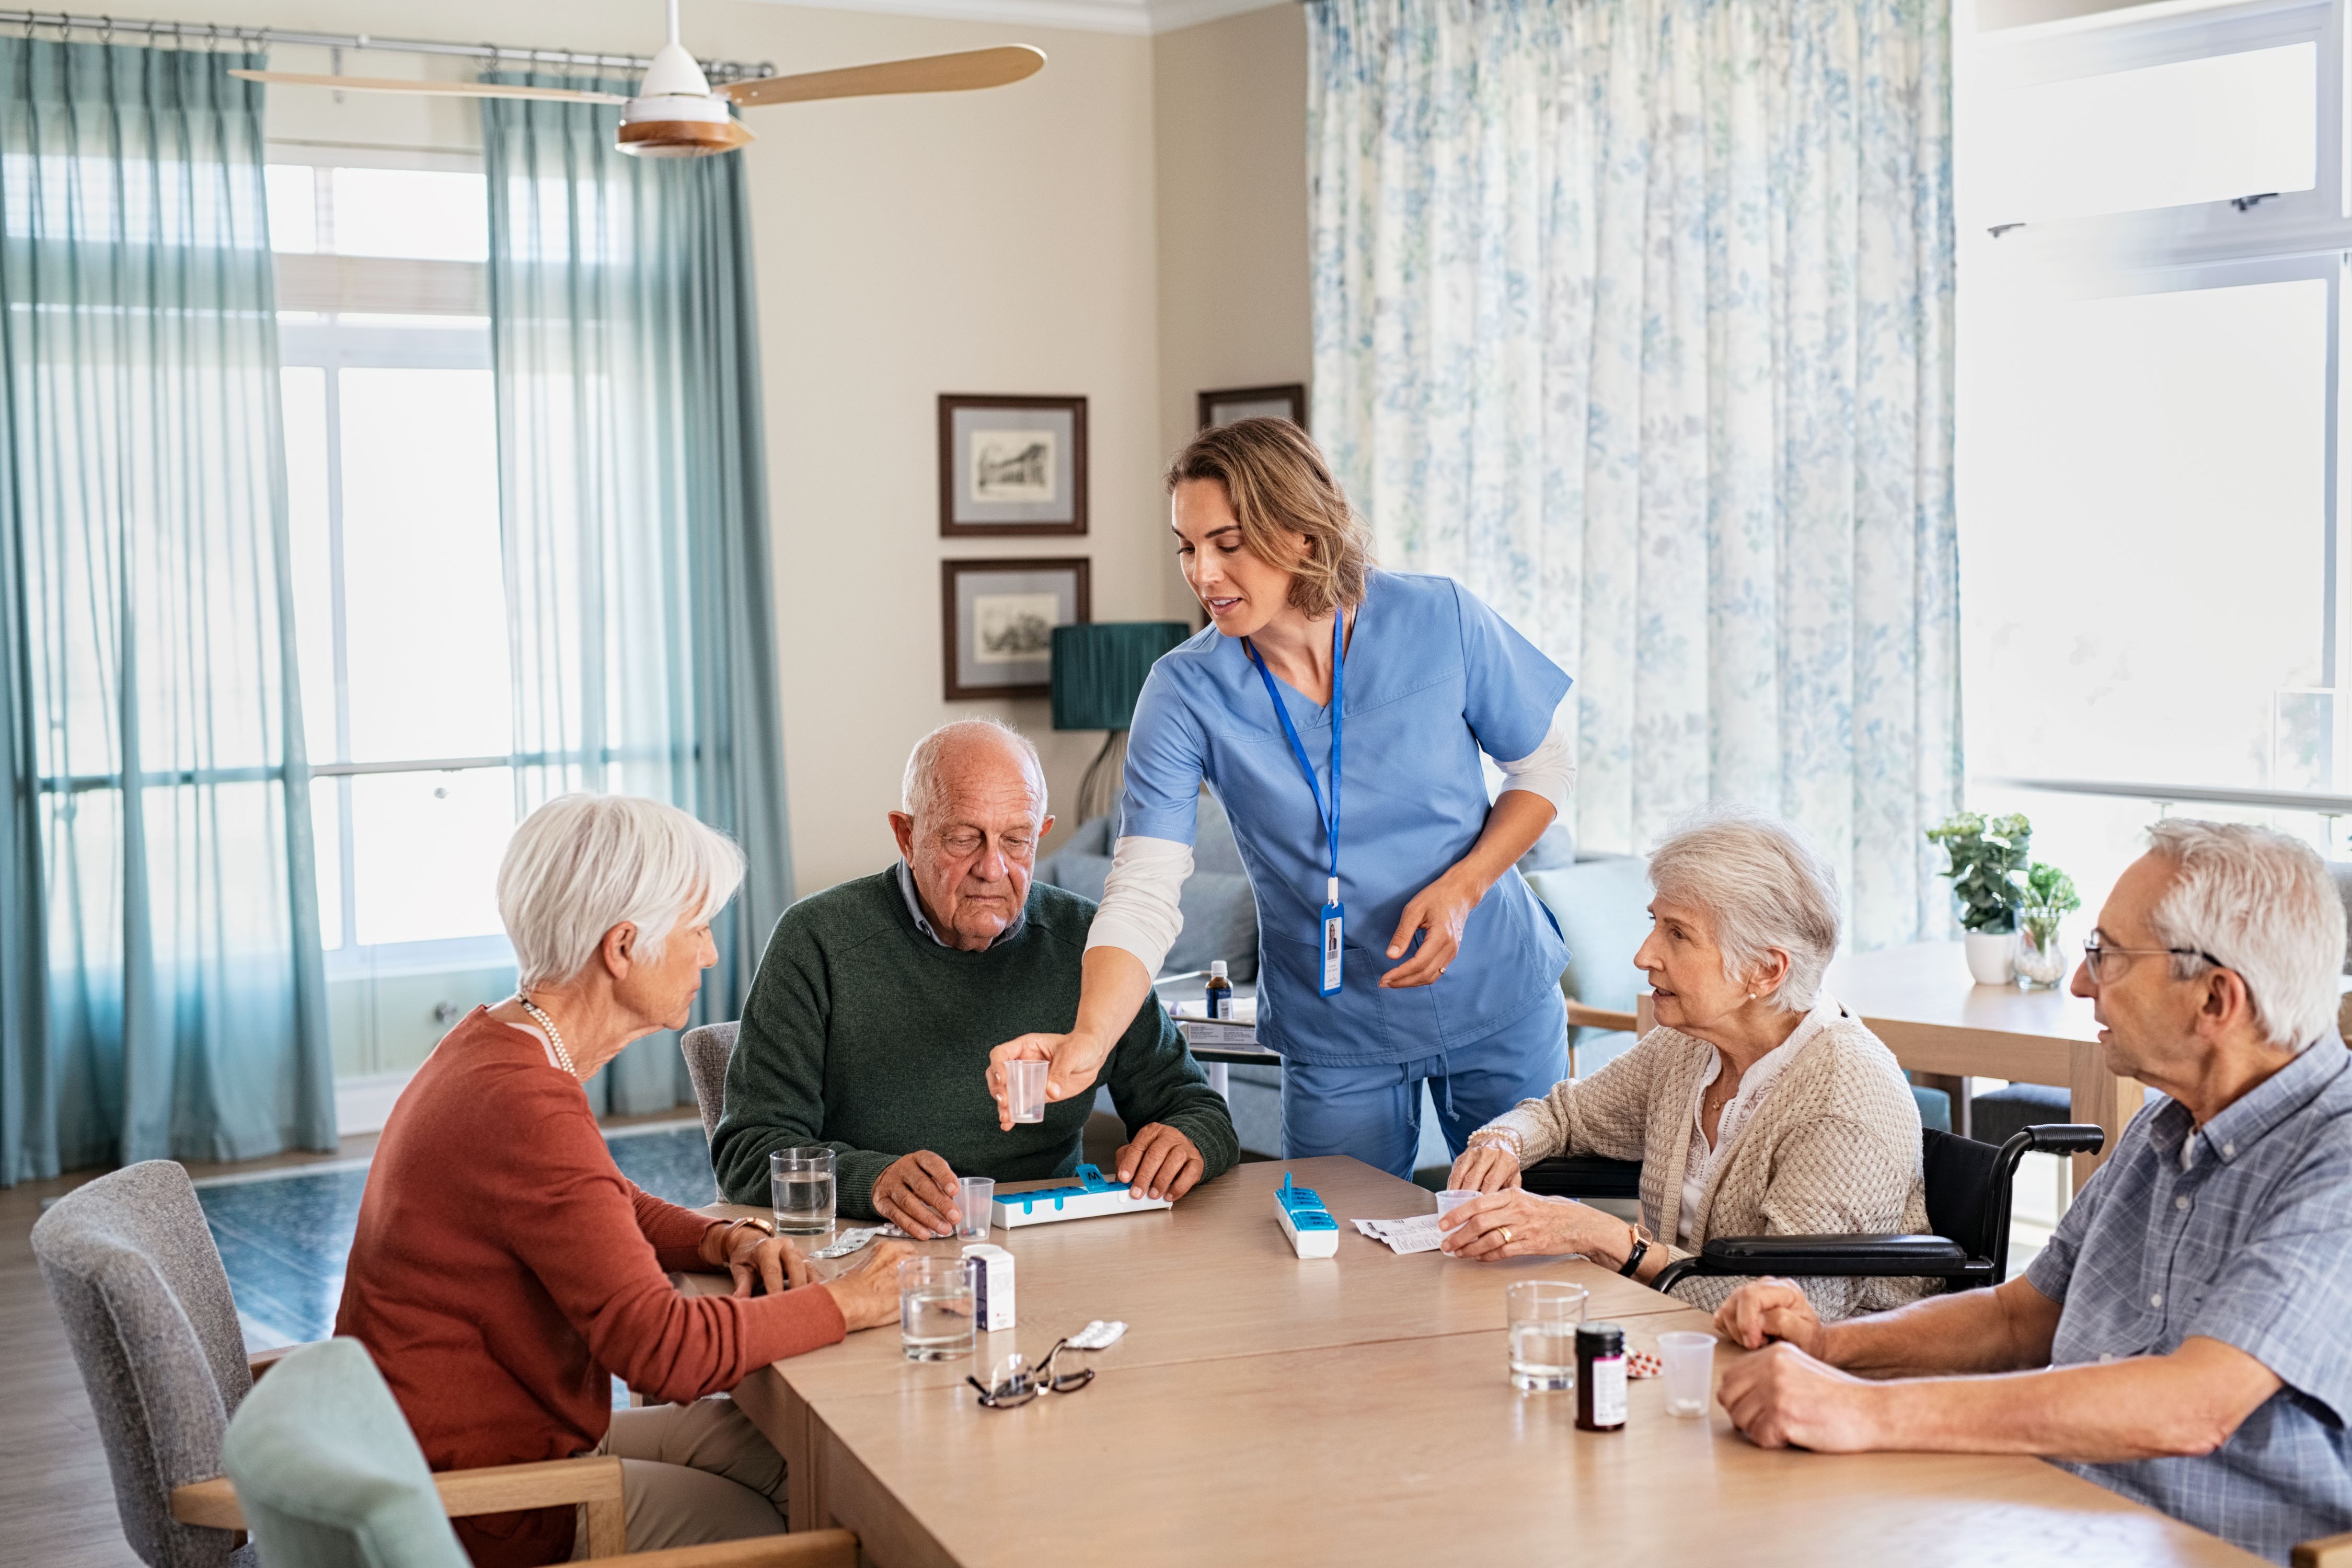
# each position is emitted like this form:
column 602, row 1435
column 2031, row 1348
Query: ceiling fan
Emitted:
column 676, row 114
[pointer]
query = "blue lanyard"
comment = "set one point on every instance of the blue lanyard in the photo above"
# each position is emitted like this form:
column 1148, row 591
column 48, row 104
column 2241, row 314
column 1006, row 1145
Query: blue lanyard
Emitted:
column 1338, row 716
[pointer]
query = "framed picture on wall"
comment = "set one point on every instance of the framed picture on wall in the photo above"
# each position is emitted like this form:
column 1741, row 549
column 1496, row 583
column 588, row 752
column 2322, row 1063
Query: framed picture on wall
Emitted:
column 1255, row 403
column 998, row 620
column 1011, row 465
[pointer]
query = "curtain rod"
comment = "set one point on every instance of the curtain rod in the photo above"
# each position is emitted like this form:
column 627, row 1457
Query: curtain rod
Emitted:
column 210, row 33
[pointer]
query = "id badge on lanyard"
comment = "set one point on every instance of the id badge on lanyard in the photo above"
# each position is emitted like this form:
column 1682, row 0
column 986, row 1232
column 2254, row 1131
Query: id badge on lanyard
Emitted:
column 1335, row 914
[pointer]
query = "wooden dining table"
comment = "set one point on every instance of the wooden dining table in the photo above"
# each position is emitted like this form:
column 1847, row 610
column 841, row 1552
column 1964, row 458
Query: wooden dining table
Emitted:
column 1266, row 1408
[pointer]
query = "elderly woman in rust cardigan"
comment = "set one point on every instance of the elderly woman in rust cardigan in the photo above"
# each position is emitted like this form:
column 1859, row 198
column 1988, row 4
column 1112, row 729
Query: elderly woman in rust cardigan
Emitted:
column 504, row 1270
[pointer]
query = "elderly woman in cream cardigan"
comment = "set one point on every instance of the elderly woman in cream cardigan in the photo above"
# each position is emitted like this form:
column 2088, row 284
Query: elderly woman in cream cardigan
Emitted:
column 1757, row 1106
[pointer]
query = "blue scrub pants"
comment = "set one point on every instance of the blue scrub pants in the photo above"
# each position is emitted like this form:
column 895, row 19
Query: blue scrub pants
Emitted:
column 1374, row 1113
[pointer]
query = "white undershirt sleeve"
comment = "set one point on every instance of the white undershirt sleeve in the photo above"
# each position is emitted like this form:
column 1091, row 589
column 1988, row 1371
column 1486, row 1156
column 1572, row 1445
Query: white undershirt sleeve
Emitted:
column 1141, row 913
column 1549, row 771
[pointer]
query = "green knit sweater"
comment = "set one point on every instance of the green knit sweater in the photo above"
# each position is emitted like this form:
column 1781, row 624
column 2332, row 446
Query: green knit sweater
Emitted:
column 863, row 1033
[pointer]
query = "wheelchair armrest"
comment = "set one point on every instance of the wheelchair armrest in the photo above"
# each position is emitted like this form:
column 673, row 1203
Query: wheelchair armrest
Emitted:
column 1583, row 1176
column 1839, row 1255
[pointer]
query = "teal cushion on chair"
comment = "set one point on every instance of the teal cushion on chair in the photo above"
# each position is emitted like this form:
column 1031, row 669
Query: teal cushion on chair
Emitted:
column 328, row 1473
column 1602, row 906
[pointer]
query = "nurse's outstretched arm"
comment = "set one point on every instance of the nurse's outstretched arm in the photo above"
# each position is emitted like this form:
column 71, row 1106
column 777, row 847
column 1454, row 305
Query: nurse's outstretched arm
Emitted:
column 1113, row 988
column 1514, row 823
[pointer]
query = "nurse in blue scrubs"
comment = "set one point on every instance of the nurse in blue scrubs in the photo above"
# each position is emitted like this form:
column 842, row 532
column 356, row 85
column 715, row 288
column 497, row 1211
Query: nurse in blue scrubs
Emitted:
column 1337, row 713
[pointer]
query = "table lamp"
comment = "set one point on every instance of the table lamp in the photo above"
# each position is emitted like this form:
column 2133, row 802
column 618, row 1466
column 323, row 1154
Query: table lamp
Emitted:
column 1099, row 670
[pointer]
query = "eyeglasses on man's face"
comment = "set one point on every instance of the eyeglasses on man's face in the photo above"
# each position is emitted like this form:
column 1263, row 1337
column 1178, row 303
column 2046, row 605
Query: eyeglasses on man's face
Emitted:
column 1014, row 1383
column 2106, row 961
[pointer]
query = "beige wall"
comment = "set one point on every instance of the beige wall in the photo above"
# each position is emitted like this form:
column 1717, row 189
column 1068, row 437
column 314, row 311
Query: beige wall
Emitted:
column 1230, row 106
column 1027, row 239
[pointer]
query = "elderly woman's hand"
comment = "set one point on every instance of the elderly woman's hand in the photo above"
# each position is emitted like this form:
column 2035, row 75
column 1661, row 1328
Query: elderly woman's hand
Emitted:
column 867, row 1295
column 1517, row 1224
column 754, row 1258
column 1486, row 1166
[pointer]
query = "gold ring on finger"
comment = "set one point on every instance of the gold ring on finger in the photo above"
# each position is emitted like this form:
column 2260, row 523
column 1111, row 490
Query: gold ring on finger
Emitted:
column 1506, row 1236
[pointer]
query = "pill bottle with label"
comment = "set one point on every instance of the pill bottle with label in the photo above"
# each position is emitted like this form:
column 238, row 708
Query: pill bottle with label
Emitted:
column 1221, row 990
column 1601, row 1377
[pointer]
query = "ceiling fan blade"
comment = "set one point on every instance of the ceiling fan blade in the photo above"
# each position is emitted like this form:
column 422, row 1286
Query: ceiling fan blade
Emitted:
column 929, row 73
column 438, row 89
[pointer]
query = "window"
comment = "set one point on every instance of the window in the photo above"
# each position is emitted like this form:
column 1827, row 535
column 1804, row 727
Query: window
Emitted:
column 2154, row 235
column 392, row 471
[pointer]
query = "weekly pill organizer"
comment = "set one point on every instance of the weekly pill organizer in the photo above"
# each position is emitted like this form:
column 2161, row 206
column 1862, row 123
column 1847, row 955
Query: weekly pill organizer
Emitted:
column 1089, row 1196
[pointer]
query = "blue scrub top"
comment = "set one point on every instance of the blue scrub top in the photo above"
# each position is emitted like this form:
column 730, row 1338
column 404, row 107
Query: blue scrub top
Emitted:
column 1433, row 677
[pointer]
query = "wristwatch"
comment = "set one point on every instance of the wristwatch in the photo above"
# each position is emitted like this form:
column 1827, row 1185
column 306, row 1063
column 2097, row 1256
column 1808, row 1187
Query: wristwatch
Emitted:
column 1641, row 1250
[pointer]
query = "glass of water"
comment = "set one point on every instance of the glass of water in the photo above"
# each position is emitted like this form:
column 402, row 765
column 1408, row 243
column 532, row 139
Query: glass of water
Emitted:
column 935, row 1309
column 800, row 1181
column 1544, row 1316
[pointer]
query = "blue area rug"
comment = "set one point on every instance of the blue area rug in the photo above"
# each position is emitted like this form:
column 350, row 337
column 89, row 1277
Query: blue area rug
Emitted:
column 284, row 1234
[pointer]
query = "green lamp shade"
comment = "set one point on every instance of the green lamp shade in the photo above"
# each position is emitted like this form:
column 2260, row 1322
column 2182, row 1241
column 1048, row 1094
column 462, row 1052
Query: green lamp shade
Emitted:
column 1098, row 670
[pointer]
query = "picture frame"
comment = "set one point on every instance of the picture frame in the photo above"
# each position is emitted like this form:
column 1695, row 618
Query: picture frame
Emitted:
column 1011, row 465
column 997, row 621
column 1287, row 401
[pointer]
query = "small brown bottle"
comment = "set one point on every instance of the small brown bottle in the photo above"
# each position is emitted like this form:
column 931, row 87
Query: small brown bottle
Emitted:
column 1221, row 990
column 1601, row 1377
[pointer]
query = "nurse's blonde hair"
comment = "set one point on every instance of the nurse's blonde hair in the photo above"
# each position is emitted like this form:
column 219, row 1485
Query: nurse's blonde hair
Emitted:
column 1278, row 483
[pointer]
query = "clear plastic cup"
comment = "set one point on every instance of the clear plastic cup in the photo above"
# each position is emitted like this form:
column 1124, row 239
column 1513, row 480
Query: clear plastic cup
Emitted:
column 799, row 1184
column 975, row 1195
column 935, row 1309
column 1544, row 1316
column 1024, row 1083
column 1689, row 1364
column 1452, row 1198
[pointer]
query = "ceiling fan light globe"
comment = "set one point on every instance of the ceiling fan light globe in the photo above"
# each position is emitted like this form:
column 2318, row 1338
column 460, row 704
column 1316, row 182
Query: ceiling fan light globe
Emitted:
column 675, row 106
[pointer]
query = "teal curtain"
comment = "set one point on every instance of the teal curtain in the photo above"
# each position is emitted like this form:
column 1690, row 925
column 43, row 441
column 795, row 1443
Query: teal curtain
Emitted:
column 158, row 907
column 633, row 493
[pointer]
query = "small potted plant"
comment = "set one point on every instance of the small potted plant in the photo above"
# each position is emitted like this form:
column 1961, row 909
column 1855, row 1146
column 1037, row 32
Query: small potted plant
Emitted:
column 2050, row 898
column 1986, row 860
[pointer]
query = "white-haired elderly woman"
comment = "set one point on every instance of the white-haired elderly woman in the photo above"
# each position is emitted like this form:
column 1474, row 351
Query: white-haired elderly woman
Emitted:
column 505, row 1271
column 1757, row 1106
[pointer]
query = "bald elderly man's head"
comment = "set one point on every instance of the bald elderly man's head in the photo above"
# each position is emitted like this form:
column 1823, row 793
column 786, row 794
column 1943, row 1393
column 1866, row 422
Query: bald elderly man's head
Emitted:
column 971, row 811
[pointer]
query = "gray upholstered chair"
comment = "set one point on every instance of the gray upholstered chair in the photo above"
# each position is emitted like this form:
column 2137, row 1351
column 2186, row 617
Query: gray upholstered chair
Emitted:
column 327, row 1475
column 707, row 1050
column 147, row 1311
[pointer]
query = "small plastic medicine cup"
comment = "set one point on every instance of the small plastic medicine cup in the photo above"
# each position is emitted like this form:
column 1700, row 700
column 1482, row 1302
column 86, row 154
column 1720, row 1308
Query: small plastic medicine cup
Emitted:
column 1025, row 1085
column 976, row 1195
column 1689, row 1369
column 1452, row 1198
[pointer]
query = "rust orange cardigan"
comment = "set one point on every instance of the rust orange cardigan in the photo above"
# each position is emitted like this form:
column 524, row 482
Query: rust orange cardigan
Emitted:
column 504, row 1269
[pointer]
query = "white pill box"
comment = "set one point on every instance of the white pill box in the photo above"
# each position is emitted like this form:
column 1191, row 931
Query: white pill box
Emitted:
column 991, row 1267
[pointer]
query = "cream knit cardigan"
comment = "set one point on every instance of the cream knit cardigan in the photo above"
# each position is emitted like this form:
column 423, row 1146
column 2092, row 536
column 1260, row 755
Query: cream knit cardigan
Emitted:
column 1833, row 1149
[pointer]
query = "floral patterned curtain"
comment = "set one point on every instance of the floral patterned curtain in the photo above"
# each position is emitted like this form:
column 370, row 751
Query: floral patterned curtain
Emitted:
column 1636, row 316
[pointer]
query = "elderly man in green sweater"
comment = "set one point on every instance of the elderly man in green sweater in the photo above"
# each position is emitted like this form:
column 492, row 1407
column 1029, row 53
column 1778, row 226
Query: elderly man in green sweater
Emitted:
column 870, row 1022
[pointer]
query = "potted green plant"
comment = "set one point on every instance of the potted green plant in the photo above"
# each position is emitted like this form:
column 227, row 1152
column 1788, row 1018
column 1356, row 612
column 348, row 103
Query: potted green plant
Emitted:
column 2050, row 898
column 1986, row 858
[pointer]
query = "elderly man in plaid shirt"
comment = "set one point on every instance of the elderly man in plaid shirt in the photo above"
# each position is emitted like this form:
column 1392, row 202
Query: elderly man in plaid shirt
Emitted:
column 2186, row 1338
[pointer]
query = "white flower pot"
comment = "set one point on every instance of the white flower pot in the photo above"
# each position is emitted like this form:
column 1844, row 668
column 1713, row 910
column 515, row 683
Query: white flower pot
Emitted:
column 1989, row 954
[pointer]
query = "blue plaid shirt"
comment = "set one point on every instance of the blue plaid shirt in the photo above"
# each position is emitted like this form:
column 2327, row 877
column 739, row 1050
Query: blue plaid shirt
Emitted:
column 2241, row 1231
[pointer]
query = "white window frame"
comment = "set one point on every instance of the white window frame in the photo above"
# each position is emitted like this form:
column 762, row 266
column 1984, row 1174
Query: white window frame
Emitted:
column 2299, row 235
column 325, row 284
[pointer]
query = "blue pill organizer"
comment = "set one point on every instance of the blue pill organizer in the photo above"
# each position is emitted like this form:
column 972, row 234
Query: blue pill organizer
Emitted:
column 1092, row 1196
column 1313, row 1232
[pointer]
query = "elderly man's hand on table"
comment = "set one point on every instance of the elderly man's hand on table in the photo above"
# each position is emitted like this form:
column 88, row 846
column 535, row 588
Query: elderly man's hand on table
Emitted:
column 868, row 1294
column 1771, row 1309
column 918, row 1193
column 1160, row 1163
column 1782, row 1398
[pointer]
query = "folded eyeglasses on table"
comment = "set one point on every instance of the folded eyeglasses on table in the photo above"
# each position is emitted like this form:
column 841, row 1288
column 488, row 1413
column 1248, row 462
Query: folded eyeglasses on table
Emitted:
column 1014, row 1382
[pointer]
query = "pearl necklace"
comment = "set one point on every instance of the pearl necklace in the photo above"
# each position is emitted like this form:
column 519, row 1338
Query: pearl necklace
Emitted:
column 554, row 1034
